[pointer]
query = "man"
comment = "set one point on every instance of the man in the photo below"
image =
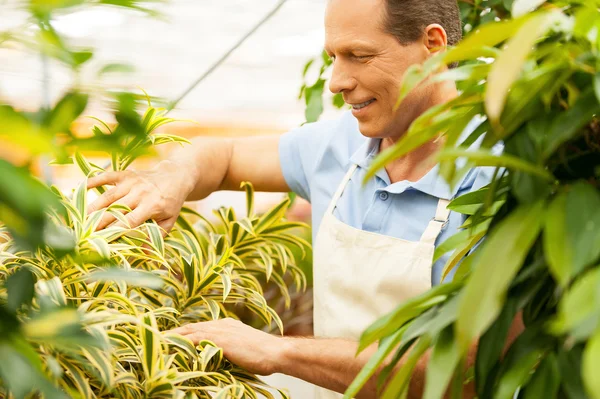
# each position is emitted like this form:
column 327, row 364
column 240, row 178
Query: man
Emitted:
column 374, row 243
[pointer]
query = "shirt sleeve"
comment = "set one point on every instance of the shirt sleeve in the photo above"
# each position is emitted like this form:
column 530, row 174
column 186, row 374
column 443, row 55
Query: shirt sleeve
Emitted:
column 299, row 152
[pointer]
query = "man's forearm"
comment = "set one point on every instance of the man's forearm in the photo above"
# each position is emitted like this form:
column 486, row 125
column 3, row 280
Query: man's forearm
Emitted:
column 206, row 162
column 329, row 363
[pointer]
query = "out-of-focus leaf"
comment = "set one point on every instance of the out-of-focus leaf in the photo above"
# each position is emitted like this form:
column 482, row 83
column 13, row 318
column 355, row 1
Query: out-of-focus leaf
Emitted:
column 135, row 278
column 23, row 204
column 20, row 287
column 522, row 7
column 566, row 125
column 486, row 158
column 591, row 365
column 314, row 101
column 116, row 68
column 21, row 371
column 64, row 113
column 545, row 382
column 569, row 364
column 579, row 308
column 442, row 363
column 507, row 67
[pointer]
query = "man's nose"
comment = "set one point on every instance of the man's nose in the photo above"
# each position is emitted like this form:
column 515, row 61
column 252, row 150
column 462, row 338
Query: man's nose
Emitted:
column 342, row 79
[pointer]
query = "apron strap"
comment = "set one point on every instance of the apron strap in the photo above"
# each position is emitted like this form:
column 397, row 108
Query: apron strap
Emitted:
column 340, row 189
column 435, row 226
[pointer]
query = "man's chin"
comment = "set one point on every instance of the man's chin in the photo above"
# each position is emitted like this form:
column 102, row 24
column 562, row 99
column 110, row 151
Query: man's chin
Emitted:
column 369, row 130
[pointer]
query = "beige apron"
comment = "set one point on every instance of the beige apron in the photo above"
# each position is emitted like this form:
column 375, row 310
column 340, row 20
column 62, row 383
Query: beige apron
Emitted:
column 360, row 276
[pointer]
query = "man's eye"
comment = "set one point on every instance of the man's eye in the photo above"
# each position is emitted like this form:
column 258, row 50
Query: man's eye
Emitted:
column 363, row 57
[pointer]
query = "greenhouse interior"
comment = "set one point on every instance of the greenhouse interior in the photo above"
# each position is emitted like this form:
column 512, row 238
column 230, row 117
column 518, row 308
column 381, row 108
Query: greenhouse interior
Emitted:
column 305, row 199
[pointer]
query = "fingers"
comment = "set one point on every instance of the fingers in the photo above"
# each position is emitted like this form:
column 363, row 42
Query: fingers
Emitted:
column 167, row 224
column 105, row 178
column 108, row 198
column 137, row 217
column 131, row 201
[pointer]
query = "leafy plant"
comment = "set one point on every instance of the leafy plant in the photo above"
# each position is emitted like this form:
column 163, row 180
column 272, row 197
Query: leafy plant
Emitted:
column 82, row 312
column 534, row 81
column 128, row 285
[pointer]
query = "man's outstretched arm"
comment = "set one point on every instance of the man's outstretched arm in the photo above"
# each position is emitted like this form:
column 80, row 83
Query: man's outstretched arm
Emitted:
column 209, row 164
column 327, row 362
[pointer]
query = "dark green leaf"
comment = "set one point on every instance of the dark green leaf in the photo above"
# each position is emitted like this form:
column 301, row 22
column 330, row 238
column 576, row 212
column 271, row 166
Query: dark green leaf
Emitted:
column 545, row 382
column 502, row 256
column 568, row 125
column 20, row 286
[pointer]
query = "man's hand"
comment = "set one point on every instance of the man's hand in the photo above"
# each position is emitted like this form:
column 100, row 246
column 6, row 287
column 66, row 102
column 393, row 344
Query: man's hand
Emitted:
column 247, row 347
column 156, row 194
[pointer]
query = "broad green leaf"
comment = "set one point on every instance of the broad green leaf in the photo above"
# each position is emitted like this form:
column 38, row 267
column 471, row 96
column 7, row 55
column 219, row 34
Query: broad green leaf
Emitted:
column 386, row 346
column 545, row 382
column 394, row 320
column 568, row 125
column 591, row 365
column 558, row 250
column 507, row 67
column 491, row 346
column 487, row 158
column 501, row 258
column 579, row 307
column 485, row 37
column 570, row 364
column 20, row 289
column 398, row 385
column 521, row 359
column 21, row 371
column 442, row 364
column 583, row 225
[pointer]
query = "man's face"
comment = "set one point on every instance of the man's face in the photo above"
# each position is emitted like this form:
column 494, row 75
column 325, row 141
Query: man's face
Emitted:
column 369, row 65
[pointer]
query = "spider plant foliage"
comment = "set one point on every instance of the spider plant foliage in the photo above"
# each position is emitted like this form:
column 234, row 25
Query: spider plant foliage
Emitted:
column 96, row 322
column 533, row 82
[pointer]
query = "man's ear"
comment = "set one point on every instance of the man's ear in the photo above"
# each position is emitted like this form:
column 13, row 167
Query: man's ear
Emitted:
column 435, row 38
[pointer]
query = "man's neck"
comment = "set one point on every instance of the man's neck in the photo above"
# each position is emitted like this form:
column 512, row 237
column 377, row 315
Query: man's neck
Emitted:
column 417, row 163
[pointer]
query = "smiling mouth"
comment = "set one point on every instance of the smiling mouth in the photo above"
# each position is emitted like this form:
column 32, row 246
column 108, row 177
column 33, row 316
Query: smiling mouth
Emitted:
column 362, row 105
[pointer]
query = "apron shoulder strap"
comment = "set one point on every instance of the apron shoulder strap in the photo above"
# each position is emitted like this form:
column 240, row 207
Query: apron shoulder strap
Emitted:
column 340, row 189
column 435, row 226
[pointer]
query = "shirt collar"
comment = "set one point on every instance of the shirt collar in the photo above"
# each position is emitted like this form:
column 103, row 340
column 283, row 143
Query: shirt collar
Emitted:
column 432, row 183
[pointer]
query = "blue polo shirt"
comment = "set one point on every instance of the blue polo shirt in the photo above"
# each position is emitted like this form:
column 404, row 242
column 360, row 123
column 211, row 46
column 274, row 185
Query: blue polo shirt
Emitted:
column 315, row 158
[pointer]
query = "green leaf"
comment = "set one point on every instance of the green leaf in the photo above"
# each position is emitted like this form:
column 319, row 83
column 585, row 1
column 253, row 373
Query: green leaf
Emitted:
column 21, row 371
column 569, row 364
column 591, row 366
column 568, row 125
column 507, row 67
column 487, row 158
column 442, row 363
column 66, row 111
column 394, row 320
column 398, row 385
column 386, row 346
column 521, row 359
column 490, row 348
column 20, row 287
column 314, row 101
column 485, row 37
column 545, row 382
column 134, row 278
column 558, row 251
column 502, row 255
column 579, row 308
column 583, row 225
